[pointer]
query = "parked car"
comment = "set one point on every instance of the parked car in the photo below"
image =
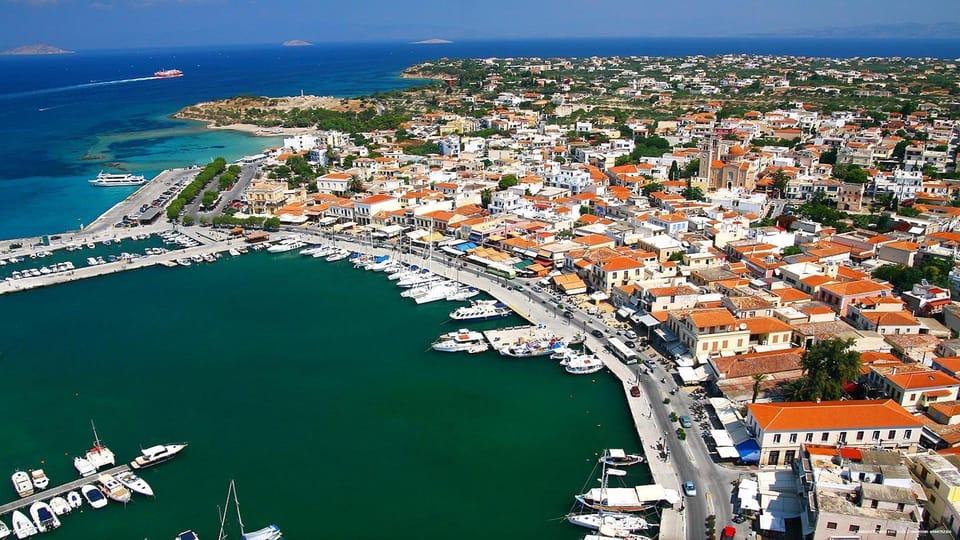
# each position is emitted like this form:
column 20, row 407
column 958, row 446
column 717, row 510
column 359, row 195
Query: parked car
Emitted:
column 635, row 391
column 568, row 314
column 689, row 488
column 597, row 333
column 685, row 421
column 631, row 334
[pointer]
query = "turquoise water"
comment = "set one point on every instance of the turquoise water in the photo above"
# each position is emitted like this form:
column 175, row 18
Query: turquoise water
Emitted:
column 310, row 384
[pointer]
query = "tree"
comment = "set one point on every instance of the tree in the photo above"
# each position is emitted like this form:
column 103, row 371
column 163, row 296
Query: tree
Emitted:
column 355, row 184
column 758, row 378
column 791, row 250
column 691, row 169
column 507, row 181
column 829, row 157
column 652, row 187
column 585, row 209
column 674, row 171
column 826, row 367
column 780, row 181
column 693, row 193
column 676, row 257
column 485, row 197
column 188, row 220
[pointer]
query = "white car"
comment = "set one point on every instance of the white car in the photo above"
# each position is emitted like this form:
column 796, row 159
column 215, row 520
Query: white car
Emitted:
column 689, row 488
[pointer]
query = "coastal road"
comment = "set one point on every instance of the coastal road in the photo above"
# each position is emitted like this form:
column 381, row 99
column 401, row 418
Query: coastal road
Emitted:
column 147, row 193
column 247, row 173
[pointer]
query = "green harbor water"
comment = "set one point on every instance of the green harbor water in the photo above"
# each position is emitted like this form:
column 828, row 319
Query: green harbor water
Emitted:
column 312, row 385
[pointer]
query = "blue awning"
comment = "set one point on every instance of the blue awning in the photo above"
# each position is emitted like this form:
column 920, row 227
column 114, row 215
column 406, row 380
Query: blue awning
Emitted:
column 749, row 451
column 466, row 246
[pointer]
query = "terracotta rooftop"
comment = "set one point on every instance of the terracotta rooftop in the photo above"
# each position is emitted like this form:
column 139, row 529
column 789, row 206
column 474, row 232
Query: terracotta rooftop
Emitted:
column 832, row 415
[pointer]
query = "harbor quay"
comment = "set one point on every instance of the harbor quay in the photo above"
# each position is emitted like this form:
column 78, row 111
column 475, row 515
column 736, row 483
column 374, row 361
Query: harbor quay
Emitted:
column 55, row 491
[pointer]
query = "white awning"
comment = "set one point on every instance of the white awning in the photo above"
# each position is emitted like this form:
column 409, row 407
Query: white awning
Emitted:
column 692, row 375
column 290, row 218
column 728, row 452
column 625, row 312
column 327, row 221
column 599, row 296
column 721, row 437
column 419, row 233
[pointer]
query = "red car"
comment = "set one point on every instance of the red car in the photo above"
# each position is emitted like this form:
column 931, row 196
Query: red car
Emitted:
column 635, row 391
column 728, row 533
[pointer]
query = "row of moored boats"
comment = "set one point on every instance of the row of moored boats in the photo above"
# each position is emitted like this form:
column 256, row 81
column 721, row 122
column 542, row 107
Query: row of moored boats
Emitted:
column 605, row 513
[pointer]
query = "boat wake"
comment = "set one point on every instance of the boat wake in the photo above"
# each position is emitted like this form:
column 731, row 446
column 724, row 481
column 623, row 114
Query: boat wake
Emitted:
column 56, row 89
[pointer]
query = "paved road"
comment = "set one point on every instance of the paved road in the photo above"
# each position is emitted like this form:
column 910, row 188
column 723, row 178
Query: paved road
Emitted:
column 246, row 175
column 145, row 195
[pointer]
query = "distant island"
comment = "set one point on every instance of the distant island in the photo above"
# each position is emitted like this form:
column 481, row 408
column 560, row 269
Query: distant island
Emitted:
column 39, row 48
column 296, row 43
column 434, row 41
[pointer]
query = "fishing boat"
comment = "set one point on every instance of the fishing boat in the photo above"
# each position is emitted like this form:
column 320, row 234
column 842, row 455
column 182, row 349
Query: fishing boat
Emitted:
column 134, row 483
column 74, row 499
column 94, row 496
column 39, row 479
column 99, row 456
column 114, row 489
column 481, row 310
column 617, row 521
column 22, row 484
column 84, row 467
column 616, row 457
column 270, row 532
column 157, row 454
column 4, row 530
column 60, row 506
column 529, row 348
column 22, row 526
column 43, row 517
column 610, row 499
column 461, row 340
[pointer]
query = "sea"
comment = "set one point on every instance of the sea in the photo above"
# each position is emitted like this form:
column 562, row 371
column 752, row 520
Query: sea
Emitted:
column 310, row 384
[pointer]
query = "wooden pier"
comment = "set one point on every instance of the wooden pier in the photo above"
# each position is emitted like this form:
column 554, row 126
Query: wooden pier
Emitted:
column 47, row 494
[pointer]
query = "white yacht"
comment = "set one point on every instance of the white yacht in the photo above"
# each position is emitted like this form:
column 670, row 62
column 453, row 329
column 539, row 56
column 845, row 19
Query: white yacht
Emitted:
column 134, row 483
column 287, row 244
column 403, row 272
column 94, row 496
column 22, row 484
column 481, row 310
column 422, row 278
column 156, row 454
column 114, row 488
column 437, row 292
column 323, row 251
column 22, row 526
column 617, row 521
column 39, row 479
column 461, row 340
column 60, row 506
column 99, row 456
column 337, row 255
column 43, row 517
column 463, row 292
column 581, row 364
column 84, row 467
column 118, row 179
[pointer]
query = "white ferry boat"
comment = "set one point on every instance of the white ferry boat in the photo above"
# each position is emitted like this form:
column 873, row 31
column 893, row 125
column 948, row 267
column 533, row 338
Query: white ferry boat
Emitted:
column 156, row 454
column 481, row 311
column 461, row 340
column 118, row 179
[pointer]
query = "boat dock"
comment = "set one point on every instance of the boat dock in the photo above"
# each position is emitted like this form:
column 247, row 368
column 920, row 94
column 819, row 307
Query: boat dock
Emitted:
column 47, row 494
column 501, row 338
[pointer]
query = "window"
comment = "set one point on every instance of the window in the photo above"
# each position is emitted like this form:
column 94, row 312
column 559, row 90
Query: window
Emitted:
column 793, row 437
column 876, row 435
column 843, row 436
column 907, row 433
column 824, row 436
column 877, row 530
column 740, row 343
column 913, row 397
column 776, row 438
column 774, row 458
column 808, row 437
column 859, row 435
column 854, row 528
column 891, row 532
column 933, row 499
column 892, row 434
column 831, row 524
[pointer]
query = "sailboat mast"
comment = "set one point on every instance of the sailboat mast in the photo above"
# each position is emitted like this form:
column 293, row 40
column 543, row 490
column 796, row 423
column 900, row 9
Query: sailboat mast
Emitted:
column 223, row 515
column 236, row 502
column 96, row 438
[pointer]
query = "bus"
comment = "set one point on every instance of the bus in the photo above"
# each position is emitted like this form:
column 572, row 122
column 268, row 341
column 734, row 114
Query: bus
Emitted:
column 502, row 270
column 624, row 353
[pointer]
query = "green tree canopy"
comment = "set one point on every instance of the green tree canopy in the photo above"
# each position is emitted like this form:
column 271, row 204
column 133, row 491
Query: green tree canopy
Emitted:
column 826, row 367
column 652, row 187
column 507, row 180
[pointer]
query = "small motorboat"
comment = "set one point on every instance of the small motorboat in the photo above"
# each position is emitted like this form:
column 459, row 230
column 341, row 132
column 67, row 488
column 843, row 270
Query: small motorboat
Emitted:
column 114, row 489
column 134, row 483
column 60, row 506
column 94, row 496
column 4, row 530
column 40, row 480
column 83, row 466
column 22, row 526
column 43, row 516
column 618, row 458
column 74, row 499
column 22, row 484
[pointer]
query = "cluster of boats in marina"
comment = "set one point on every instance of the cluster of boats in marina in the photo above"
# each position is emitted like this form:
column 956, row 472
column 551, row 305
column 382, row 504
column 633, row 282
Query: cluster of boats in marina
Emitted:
column 198, row 259
column 116, row 484
column 55, row 268
column 611, row 515
column 178, row 239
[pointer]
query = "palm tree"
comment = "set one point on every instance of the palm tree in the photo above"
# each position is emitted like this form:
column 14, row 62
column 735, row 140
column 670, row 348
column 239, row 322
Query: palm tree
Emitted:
column 757, row 379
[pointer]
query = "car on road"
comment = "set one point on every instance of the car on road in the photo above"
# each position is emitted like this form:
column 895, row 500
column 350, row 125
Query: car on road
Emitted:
column 630, row 344
column 597, row 333
column 685, row 421
column 689, row 488
column 568, row 314
column 536, row 288
column 649, row 362
column 635, row 391
column 631, row 334
column 518, row 287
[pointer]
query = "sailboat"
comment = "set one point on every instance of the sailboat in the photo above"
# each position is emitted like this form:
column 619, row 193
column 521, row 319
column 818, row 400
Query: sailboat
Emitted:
column 99, row 456
column 270, row 532
column 608, row 499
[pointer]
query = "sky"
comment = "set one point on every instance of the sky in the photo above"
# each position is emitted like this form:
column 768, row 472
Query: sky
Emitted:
column 119, row 24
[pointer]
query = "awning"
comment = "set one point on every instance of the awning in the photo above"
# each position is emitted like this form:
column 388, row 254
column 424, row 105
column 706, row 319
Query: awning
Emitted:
column 691, row 375
column 466, row 246
column 665, row 334
column 522, row 264
column 721, row 437
column 749, row 451
column 290, row 218
column 648, row 320
column 625, row 312
column 769, row 522
column 727, row 452
column 599, row 296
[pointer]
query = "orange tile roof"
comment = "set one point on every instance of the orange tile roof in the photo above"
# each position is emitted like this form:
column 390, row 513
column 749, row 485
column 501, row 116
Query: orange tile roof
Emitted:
column 766, row 325
column 904, row 245
column 789, row 294
column 852, row 288
column 614, row 264
column 922, row 379
column 831, row 415
column 713, row 317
